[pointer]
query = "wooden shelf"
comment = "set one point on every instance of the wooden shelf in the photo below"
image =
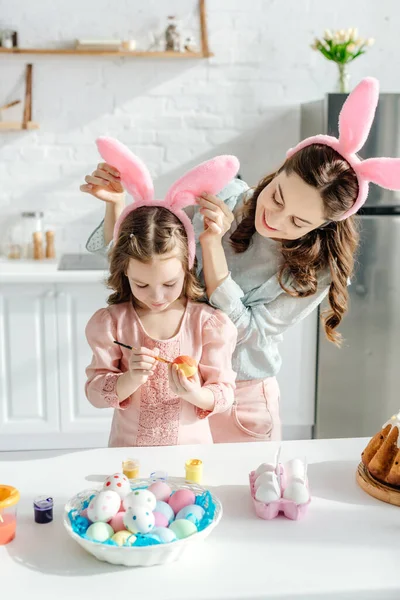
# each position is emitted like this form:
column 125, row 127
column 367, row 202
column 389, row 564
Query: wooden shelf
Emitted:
column 17, row 126
column 109, row 53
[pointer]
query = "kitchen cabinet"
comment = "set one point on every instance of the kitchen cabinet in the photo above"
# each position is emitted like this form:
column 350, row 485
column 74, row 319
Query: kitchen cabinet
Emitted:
column 43, row 356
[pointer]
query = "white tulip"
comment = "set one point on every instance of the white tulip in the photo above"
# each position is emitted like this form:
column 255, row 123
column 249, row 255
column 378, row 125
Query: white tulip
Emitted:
column 351, row 47
column 370, row 42
column 328, row 35
column 355, row 33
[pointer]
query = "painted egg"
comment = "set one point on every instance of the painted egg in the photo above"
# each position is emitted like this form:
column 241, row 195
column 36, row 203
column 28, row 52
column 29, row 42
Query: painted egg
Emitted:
column 124, row 538
column 264, row 467
column 166, row 510
column 297, row 492
column 142, row 498
column 160, row 520
column 117, row 522
column 163, row 534
column 186, row 364
column 99, row 532
column 161, row 490
column 267, row 493
column 180, row 499
column 104, row 506
column 193, row 513
column 183, row 528
column 118, row 483
column 139, row 519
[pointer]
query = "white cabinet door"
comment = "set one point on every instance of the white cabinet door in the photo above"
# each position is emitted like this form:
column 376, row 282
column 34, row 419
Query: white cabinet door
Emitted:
column 76, row 303
column 29, row 402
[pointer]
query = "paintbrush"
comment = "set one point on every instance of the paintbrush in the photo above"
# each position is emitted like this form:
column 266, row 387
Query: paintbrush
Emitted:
column 163, row 360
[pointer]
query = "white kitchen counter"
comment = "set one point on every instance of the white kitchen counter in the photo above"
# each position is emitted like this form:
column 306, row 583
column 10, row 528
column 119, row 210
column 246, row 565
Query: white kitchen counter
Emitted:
column 32, row 271
column 347, row 546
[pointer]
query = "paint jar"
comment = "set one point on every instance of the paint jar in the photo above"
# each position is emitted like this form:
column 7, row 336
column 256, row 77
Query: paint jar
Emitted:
column 43, row 509
column 9, row 498
column 194, row 470
column 130, row 468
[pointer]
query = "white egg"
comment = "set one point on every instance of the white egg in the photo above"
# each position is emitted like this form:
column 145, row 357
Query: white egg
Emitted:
column 139, row 519
column 264, row 467
column 104, row 506
column 267, row 493
column 267, row 478
column 295, row 469
column 118, row 483
column 297, row 492
column 142, row 498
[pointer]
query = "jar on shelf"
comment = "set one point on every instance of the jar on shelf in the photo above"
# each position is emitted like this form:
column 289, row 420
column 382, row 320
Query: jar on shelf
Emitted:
column 173, row 39
column 32, row 224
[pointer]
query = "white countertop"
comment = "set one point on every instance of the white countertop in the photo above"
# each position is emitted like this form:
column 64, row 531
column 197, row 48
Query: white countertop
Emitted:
column 346, row 547
column 45, row 271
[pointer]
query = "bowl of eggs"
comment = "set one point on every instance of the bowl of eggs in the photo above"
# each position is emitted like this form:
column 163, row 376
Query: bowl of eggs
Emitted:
column 141, row 522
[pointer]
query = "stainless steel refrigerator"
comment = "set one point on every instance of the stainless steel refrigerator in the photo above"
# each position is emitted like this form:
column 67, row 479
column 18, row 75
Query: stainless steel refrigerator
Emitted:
column 358, row 386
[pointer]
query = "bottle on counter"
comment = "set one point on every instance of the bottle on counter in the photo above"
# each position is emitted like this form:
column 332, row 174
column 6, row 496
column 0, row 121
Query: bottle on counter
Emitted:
column 50, row 249
column 38, row 253
column 32, row 222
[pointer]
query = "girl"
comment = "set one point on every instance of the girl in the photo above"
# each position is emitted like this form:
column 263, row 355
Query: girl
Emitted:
column 270, row 255
column 153, row 308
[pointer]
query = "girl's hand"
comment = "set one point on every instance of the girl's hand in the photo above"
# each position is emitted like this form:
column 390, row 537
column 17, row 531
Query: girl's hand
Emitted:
column 142, row 364
column 217, row 216
column 186, row 388
column 105, row 184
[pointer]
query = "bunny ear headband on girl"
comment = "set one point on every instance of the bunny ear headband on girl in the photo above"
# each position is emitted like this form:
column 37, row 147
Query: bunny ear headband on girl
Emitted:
column 210, row 177
column 355, row 121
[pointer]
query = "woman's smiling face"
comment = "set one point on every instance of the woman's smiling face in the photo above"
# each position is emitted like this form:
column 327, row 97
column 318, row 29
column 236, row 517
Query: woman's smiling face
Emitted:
column 288, row 208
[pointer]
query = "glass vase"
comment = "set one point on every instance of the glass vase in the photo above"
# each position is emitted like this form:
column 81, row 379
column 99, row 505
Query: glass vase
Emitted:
column 343, row 84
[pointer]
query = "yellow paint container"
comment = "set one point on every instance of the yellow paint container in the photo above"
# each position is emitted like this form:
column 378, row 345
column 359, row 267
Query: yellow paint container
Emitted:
column 130, row 468
column 194, row 470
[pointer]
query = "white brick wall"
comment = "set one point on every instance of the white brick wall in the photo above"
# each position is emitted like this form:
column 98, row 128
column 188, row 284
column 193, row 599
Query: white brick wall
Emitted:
column 173, row 114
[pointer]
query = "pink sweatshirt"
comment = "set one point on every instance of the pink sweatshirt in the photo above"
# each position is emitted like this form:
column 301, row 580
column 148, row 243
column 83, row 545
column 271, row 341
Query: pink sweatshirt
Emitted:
column 153, row 415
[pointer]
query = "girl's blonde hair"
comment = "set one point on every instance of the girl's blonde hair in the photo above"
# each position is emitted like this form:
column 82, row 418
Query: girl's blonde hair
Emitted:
column 331, row 247
column 145, row 233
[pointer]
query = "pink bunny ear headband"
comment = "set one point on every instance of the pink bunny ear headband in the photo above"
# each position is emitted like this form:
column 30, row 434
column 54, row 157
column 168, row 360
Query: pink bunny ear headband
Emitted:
column 209, row 177
column 355, row 121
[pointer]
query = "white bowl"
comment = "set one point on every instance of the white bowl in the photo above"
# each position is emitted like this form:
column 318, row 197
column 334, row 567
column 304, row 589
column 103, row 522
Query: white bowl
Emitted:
column 141, row 556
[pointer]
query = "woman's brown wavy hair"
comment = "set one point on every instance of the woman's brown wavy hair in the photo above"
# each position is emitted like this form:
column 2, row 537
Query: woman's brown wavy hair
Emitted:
column 331, row 247
column 145, row 233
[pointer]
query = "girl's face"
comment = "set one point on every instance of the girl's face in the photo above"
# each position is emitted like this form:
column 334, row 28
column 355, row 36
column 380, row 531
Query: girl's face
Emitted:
column 157, row 284
column 288, row 208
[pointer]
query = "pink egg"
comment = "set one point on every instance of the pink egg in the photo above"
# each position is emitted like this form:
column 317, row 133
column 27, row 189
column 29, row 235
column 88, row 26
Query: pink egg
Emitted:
column 160, row 520
column 122, row 507
column 180, row 499
column 117, row 522
column 161, row 490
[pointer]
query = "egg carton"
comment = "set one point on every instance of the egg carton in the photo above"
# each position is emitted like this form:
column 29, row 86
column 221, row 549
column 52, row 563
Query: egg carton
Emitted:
column 289, row 507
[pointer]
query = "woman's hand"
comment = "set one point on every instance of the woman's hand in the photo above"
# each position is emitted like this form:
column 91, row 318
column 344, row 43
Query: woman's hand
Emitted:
column 217, row 217
column 105, row 184
column 186, row 388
